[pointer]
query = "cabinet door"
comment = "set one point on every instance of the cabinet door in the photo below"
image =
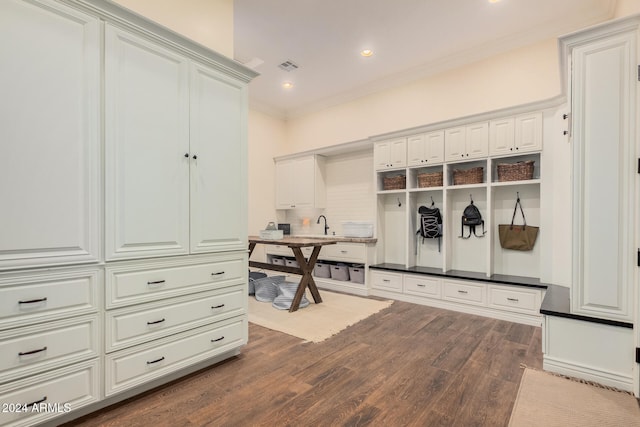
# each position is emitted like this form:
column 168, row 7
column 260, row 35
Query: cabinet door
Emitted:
column 381, row 155
column 501, row 136
column 528, row 132
column 218, row 162
column 303, row 182
column 434, row 147
column 398, row 153
column 604, row 147
column 284, row 184
column 147, row 148
column 477, row 140
column 454, row 144
column 50, row 133
column 416, row 150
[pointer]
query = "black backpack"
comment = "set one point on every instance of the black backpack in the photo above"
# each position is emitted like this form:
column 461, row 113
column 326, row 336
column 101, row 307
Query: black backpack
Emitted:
column 471, row 217
column 430, row 223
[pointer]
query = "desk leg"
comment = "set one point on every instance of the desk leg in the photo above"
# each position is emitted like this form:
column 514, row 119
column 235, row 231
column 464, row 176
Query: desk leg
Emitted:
column 252, row 246
column 307, row 279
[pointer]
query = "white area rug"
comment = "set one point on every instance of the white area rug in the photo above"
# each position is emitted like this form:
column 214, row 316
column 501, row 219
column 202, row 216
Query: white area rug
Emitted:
column 316, row 322
column 548, row 400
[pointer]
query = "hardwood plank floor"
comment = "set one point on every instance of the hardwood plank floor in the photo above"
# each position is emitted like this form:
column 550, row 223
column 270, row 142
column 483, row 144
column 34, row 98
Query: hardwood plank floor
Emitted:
column 408, row 365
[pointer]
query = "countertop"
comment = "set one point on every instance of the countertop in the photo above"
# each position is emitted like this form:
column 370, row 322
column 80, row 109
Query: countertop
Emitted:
column 297, row 239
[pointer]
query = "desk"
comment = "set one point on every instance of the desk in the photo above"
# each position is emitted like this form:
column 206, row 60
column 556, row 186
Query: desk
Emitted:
column 305, row 266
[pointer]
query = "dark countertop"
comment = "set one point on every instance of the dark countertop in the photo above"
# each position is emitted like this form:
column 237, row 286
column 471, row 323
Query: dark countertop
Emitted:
column 530, row 282
column 368, row 240
column 294, row 242
column 557, row 303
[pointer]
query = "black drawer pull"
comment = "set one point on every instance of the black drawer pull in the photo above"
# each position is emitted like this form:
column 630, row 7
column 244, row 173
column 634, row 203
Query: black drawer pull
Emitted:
column 512, row 299
column 155, row 361
column 463, row 292
column 155, row 282
column 26, row 353
column 33, row 301
column 422, row 285
column 44, row 399
column 217, row 306
column 386, row 280
column 156, row 322
column 219, row 273
column 218, row 339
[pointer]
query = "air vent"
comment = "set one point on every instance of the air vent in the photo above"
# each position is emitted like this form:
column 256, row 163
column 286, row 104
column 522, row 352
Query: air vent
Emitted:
column 288, row 66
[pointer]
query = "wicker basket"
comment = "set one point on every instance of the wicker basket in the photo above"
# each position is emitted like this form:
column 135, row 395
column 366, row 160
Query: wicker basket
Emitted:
column 468, row 176
column 398, row 182
column 519, row 171
column 430, row 179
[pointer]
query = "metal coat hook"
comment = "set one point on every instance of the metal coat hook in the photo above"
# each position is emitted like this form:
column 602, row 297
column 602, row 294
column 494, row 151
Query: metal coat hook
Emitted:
column 471, row 198
column 432, row 202
column 399, row 203
column 518, row 196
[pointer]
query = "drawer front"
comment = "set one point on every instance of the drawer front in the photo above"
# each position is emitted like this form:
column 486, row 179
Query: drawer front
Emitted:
column 342, row 251
column 50, row 395
column 386, row 281
column 465, row 292
column 134, row 283
column 30, row 350
column 279, row 250
column 32, row 297
column 134, row 325
column 518, row 300
column 132, row 367
column 422, row 286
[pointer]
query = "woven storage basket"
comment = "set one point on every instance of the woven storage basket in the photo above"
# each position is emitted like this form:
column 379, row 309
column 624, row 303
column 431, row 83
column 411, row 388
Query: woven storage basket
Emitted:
column 398, row 182
column 468, row 176
column 519, row 171
column 430, row 179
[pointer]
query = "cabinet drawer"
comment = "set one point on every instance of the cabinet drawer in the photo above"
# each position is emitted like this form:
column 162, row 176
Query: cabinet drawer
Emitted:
column 351, row 252
column 386, row 281
column 470, row 293
column 134, row 325
column 279, row 250
column 31, row 297
column 519, row 300
column 29, row 350
column 133, row 283
column 137, row 365
column 61, row 390
column 422, row 286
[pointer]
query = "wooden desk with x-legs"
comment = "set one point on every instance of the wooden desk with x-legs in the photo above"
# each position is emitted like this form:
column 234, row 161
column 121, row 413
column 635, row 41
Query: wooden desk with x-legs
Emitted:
column 305, row 266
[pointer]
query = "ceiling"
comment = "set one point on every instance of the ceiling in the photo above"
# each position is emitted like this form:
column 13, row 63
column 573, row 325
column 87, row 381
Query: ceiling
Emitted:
column 411, row 39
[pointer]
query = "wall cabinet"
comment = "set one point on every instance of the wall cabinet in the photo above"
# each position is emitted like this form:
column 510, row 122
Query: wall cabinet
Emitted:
column 519, row 134
column 300, row 183
column 466, row 142
column 390, row 154
column 425, row 149
column 605, row 146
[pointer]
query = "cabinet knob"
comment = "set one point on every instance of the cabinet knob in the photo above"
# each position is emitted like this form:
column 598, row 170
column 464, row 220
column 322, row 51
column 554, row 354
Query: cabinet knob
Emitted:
column 510, row 149
column 195, row 157
column 186, row 155
column 517, row 148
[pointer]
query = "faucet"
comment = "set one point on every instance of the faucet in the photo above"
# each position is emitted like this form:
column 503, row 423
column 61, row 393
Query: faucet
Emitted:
column 326, row 227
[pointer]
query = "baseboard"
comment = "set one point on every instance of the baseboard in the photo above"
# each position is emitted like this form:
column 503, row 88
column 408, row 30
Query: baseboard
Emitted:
column 587, row 373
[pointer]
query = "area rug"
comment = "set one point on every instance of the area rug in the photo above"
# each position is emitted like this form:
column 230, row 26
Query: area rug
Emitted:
column 549, row 400
column 316, row 322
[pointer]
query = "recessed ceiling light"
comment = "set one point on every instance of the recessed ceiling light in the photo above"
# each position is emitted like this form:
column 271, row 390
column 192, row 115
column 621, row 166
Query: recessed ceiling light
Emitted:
column 366, row 52
column 494, row 1
column 287, row 85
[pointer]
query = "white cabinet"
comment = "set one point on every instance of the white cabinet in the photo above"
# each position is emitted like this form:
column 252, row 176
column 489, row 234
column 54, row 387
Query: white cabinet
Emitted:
column 174, row 175
column 390, row 154
column 50, row 133
column 515, row 135
column 425, row 149
column 466, row 142
column 300, row 183
column 604, row 112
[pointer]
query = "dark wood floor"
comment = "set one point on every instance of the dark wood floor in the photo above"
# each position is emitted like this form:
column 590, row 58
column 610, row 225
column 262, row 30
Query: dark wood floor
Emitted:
column 408, row 365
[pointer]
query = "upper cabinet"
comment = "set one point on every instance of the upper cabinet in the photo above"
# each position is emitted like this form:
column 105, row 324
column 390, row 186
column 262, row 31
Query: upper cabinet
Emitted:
column 513, row 135
column 425, row 149
column 300, row 183
column 390, row 154
column 50, row 132
column 173, row 170
column 466, row 142
column 604, row 104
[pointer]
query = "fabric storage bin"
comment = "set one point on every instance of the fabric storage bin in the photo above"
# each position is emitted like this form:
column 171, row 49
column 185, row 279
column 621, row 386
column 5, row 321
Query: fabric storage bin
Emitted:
column 291, row 263
column 253, row 276
column 286, row 293
column 356, row 273
column 267, row 288
column 322, row 269
column 340, row 272
column 277, row 260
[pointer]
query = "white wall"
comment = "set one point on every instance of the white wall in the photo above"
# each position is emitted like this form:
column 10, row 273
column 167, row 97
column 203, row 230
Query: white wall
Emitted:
column 208, row 22
column 626, row 8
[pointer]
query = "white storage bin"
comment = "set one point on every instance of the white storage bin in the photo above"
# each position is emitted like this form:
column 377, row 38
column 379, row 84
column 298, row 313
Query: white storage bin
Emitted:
column 291, row 263
column 277, row 260
column 340, row 272
column 322, row 269
column 357, row 229
column 356, row 274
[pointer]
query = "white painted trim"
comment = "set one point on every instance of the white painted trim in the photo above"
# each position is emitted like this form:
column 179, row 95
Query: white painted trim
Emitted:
column 588, row 373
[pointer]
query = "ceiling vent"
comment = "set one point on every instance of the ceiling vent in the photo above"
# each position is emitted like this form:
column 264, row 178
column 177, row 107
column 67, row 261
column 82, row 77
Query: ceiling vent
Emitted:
column 288, row 66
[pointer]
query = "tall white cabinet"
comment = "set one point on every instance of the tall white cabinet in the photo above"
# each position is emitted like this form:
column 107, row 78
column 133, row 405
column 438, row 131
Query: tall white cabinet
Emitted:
column 123, row 251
